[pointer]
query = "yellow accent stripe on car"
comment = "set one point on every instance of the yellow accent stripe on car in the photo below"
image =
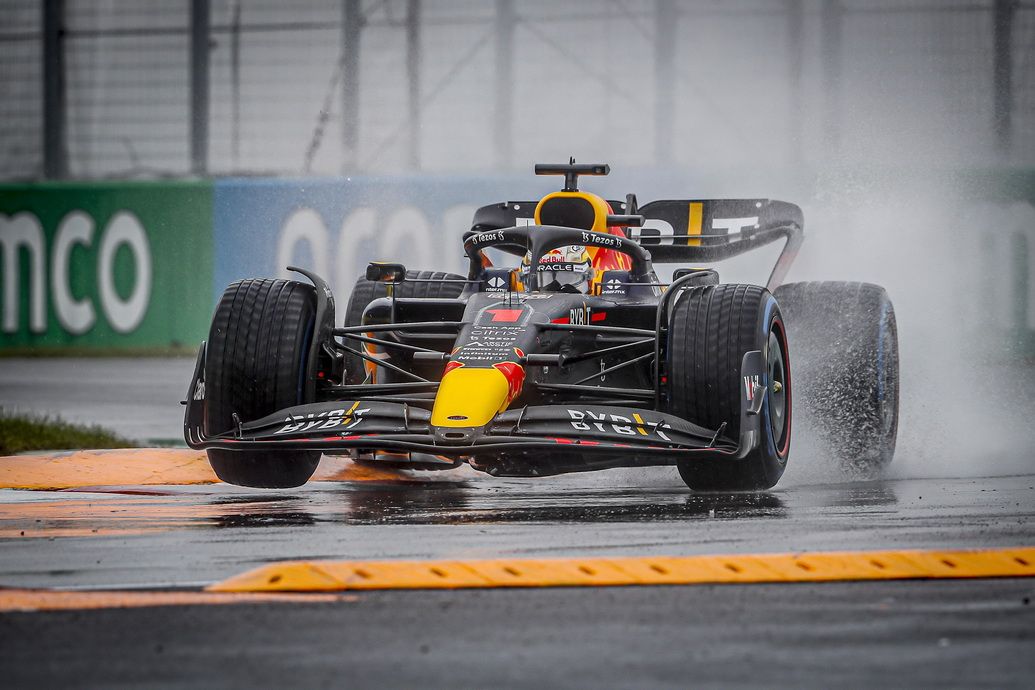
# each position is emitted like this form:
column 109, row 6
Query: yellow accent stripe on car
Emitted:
column 693, row 226
column 331, row 576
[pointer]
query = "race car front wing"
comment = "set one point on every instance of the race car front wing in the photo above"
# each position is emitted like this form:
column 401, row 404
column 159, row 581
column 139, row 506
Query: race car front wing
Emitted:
column 626, row 436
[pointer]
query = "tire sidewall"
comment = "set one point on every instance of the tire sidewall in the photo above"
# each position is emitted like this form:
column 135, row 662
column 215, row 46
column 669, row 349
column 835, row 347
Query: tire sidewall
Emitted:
column 775, row 455
column 773, row 459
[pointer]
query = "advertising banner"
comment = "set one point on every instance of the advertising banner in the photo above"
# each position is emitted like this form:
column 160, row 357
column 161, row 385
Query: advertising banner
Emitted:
column 139, row 265
column 336, row 226
column 120, row 265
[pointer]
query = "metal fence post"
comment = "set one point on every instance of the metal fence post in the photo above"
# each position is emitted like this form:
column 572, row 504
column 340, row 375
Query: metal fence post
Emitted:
column 795, row 59
column 235, row 83
column 832, row 19
column 199, row 85
column 504, row 133
column 1002, row 27
column 55, row 147
column 351, row 29
column 665, row 16
column 413, row 79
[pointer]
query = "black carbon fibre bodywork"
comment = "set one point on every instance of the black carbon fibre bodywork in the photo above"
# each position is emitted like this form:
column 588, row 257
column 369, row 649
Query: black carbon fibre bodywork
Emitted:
column 592, row 387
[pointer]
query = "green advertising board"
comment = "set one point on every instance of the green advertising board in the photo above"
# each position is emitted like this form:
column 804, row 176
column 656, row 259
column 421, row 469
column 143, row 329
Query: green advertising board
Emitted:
column 119, row 265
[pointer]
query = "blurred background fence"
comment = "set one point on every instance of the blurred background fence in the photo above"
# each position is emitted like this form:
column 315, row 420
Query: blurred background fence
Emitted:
column 124, row 88
column 155, row 150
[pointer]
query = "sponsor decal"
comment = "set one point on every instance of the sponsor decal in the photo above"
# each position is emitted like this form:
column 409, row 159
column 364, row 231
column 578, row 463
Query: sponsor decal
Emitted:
column 657, row 231
column 515, row 375
column 199, row 391
column 496, row 284
column 333, row 419
column 613, row 287
column 749, row 385
column 601, row 240
column 604, row 422
column 484, row 237
column 488, row 343
column 505, row 315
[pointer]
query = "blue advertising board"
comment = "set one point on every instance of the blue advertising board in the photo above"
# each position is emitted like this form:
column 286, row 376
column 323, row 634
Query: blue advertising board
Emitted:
column 335, row 226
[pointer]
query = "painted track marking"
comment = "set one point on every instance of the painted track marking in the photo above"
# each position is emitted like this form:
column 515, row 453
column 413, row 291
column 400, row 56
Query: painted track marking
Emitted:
column 332, row 576
column 52, row 600
column 147, row 467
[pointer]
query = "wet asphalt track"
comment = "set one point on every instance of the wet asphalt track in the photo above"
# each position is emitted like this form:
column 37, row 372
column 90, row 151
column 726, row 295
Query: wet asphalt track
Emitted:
column 956, row 633
column 887, row 634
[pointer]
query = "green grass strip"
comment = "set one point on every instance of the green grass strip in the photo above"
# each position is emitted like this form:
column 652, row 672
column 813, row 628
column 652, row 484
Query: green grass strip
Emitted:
column 20, row 433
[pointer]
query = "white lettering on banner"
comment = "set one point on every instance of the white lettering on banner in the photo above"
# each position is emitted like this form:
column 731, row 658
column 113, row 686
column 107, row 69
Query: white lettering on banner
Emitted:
column 408, row 234
column 358, row 228
column 75, row 316
column 125, row 315
column 458, row 218
column 405, row 235
column 23, row 232
column 304, row 225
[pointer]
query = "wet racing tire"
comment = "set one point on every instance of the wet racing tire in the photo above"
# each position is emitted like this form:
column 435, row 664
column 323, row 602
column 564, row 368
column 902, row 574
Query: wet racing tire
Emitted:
column 255, row 365
column 845, row 342
column 710, row 331
column 366, row 291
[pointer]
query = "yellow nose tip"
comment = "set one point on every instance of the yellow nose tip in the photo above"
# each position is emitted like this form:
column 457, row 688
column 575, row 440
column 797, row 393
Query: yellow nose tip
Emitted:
column 469, row 396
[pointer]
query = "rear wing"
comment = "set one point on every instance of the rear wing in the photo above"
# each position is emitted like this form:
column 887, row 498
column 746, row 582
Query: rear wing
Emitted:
column 689, row 231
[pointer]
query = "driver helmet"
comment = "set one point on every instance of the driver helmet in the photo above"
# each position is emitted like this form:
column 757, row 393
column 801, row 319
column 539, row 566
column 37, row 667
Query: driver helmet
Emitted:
column 565, row 269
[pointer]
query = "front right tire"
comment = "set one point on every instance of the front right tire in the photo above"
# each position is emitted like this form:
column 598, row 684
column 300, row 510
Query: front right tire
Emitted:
column 710, row 331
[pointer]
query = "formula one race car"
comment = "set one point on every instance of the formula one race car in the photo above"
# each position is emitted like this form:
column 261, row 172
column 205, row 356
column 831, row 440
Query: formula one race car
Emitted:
column 574, row 358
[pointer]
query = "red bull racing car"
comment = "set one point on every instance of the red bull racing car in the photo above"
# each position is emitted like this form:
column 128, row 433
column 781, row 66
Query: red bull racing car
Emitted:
column 559, row 351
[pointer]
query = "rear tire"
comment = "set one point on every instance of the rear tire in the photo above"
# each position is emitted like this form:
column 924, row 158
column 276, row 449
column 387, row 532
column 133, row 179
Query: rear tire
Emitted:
column 255, row 365
column 711, row 330
column 366, row 291
column 846, row 369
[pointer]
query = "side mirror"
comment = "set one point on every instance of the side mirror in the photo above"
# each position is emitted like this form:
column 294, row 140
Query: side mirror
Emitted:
column 383, row 272
column 702, row 276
